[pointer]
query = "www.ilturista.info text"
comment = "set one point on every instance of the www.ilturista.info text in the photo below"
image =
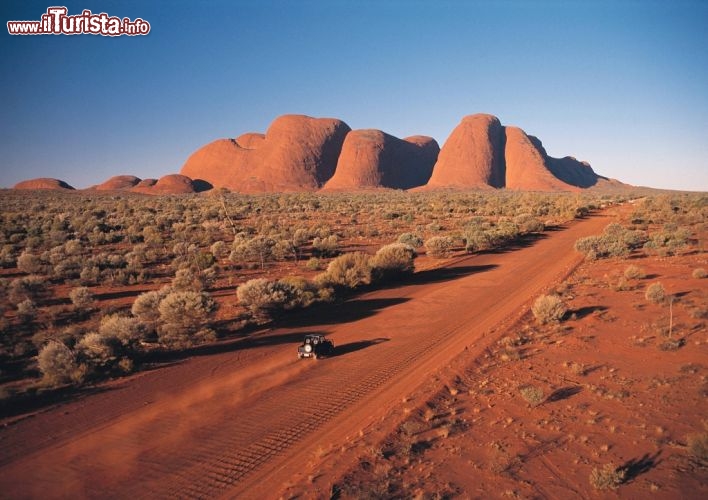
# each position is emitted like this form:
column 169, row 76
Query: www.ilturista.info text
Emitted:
column 56, row 21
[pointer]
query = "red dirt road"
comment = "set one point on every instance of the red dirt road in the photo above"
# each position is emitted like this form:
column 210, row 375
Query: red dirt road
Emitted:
column 235, row 423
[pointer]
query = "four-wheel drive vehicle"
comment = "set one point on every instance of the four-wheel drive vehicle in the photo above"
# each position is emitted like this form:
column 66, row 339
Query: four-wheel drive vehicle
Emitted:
column 315, row 346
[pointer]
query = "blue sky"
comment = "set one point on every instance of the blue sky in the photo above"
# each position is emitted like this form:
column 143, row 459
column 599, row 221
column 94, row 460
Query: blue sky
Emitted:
column 621, row 84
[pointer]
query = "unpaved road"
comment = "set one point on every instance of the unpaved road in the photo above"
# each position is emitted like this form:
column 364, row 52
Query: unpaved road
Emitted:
column 236, row 422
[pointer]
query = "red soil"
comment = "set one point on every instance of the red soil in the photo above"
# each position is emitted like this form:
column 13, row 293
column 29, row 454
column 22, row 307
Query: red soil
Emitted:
column 235, row 420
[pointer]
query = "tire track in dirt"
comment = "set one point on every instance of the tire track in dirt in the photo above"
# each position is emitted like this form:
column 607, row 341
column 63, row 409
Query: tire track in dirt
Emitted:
column 226, row 432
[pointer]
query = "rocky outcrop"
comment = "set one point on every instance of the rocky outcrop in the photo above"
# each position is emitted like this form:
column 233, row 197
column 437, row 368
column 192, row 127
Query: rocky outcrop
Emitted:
column 473, row 155
column 172, row 184
column 44, row 183
column 119, row 183
column 481, row 154
column 526, row 168
column 373, row 159
column 297, row 153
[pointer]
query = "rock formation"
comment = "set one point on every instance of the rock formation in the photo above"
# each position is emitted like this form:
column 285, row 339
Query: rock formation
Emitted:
column 297, row 153
column 119, row 183
column 43, row 183
column 300, row 153
column 526, row 168
column 473, row 155
column 171, row 184
column 481, row 154
column 373, row 159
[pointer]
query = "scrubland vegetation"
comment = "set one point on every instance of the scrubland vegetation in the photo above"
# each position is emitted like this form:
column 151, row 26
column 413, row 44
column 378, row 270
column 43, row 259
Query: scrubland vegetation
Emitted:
column 94, row 285
column 603, row 377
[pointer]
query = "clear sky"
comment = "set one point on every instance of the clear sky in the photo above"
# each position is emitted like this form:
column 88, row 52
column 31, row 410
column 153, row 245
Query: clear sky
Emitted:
column 621, row 84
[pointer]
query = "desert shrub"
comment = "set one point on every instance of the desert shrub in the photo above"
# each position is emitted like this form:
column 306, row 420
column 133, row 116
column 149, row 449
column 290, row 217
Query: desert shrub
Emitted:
column 439, row 246
column 187, row 279
column 258, row 248
column 125, row 329
column 82, row 298
column 349, row 271
column 411, row 239
column 58, row 365
column 699, row 273
column 146, row 307
column 31, row 287
column 314, row 264
column 548, row 309
column 633, row 272
column 326, row 247
column 27, row 311
column 616, row 241
column 30, row 263
column 608, row 477
column 698, row 446
column 655, row 293
column 529, row 224
column 219, row 249
column 306, row 292
column 392, row 260
column 265, row 298
column 477, row 239
column 184, row 318
column 532, row 394
column 98, row 352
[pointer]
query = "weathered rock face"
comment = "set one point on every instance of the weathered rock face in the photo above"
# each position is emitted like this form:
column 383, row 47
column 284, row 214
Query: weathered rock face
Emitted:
column 297, row 153
column 481, row 154
column 44, row 183
column 373, row 159
column 473, row 155
column 526, row 168
column 119, row 183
